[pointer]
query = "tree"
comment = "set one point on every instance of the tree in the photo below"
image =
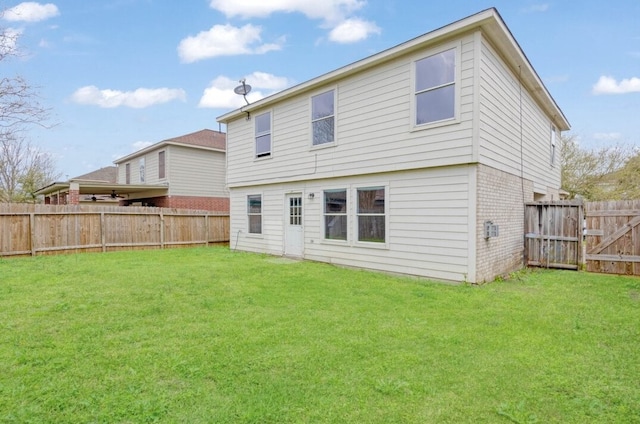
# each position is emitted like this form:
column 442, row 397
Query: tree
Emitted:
column 23, row 170
column 23, row 167
column 626, row 181
column 591, row 174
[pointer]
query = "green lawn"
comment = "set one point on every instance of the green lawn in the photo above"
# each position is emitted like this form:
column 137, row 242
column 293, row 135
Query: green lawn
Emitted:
column 206, row 335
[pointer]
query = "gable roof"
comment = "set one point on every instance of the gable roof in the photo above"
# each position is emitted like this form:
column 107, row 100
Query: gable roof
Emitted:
column 488, row 21
column 203, row 139
column 108, row 174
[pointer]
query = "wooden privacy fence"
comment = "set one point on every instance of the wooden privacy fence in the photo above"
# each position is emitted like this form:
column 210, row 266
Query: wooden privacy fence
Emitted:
column 613, row 237
column 47, row 229
column 553, row 234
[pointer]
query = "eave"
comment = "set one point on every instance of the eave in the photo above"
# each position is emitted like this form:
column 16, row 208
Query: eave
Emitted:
column 106, row 188
column 489, row 22
column 159, row 146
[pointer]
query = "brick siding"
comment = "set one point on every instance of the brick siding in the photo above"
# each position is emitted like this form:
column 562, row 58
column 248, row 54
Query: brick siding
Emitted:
column 500, row 200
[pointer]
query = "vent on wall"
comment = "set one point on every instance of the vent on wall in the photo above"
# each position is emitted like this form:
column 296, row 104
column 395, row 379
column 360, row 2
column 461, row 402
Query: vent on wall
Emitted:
column 491, row 229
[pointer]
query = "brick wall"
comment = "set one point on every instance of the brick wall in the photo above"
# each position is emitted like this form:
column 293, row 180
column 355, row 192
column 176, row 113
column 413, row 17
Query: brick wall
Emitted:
column 500, row 200
column 74, row 197
column 214, row 204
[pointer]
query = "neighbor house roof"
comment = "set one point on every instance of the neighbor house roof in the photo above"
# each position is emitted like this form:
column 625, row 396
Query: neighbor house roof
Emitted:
column 488, row 21
column 203, row 139
column 108, row 174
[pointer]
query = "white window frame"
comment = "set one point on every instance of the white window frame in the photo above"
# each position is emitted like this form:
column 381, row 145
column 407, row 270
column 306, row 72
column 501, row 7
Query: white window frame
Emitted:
column 346, row 214
column 334, row 116
column 141, row 168
column 162, row 164
column 257, row 134
column 352, row 216
column 457, row 47
column 260, row 214
column 357, row 214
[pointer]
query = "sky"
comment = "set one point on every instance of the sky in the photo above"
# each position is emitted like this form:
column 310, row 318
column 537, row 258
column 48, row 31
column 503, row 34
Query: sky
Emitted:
column 119, row 75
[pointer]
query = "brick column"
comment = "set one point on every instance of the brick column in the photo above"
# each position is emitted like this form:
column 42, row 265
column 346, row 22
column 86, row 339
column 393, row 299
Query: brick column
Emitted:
column 74, row 194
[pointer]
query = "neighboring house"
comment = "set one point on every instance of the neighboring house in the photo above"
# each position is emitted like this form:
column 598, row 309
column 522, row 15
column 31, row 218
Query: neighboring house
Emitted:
column 417, row 160
column 186, row 172
column 96, row 186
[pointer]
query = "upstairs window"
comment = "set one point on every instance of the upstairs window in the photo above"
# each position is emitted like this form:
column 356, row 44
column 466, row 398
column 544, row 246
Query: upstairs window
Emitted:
column 335, row 214
column 435, row 91
column 141, row 168
column 371, row 214
column 127, row 173
column 161, row 172
column 323, row 118
column 263, row 135
column 254, row 212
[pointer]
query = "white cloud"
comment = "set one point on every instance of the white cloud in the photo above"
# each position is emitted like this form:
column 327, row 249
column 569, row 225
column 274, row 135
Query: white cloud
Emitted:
column 31, row 11
column 536, row 8
column 224, row 40
column 139, row 98
column 334, row 14
column 352, row 30
column 220, row 92
column 327, row 10
column 607, row 136
column 609, row 85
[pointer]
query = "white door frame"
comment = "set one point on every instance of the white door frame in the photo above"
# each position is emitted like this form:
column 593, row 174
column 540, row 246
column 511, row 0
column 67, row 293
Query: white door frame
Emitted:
column 294, row 224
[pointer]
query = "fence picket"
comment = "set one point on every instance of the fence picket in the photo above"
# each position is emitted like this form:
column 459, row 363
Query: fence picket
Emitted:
column 48, row 229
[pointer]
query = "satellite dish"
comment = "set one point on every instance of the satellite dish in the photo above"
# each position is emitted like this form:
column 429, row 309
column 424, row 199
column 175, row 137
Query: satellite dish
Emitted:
column 243, row 90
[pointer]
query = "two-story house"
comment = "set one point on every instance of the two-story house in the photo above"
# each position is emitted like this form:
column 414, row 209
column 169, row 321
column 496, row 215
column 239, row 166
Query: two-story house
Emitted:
column 417, row 160
column 186, row 172
column 190, row 171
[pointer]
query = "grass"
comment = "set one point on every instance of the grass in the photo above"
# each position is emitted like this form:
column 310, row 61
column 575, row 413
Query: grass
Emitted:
column 208, row 335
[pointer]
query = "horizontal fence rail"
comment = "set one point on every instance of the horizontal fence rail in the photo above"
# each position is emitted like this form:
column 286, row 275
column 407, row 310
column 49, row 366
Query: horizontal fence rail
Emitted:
column 48, row 229
column 613, row 237
column 553, row 234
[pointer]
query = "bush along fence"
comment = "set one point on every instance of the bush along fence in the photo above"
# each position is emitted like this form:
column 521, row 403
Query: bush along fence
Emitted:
column 45, row 229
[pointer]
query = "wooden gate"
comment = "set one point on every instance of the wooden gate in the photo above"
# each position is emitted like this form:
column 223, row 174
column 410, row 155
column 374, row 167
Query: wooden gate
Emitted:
column 613, row 237
column 553, row 234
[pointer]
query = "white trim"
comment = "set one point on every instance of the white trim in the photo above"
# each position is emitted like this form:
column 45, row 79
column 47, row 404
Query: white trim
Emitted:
column 246, row 204
column 347, row 214
column 553, row 145
column 472, row 223
column 370, row 244
column 335, row 118
column 255, row 136
column 457, row 46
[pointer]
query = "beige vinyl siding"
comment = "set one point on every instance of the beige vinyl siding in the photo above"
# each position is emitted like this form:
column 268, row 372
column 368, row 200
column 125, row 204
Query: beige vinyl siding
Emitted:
column 373, row 129
column 428, row 227
column 150, row 166
column 270, row 241
column 194, row 172
column 504, row 143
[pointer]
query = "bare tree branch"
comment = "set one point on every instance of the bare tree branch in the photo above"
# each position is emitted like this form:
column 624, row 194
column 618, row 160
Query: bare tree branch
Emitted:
column 23, row 167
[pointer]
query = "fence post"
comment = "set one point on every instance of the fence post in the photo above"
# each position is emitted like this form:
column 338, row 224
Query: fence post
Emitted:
column 103, row 235
column 161, row 230
column 206, row 229
column 32, row 233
